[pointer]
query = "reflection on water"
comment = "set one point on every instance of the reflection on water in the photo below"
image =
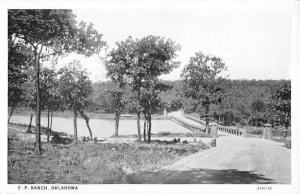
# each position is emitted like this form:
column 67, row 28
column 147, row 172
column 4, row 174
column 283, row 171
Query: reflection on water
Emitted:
column 102, row 127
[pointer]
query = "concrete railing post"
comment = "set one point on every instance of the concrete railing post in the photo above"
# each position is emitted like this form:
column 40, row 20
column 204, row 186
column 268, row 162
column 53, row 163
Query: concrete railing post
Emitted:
column 267, row 132
column 214, row 135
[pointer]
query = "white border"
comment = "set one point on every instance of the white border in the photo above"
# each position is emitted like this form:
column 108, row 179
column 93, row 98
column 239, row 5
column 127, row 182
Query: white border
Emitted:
column 157, row 189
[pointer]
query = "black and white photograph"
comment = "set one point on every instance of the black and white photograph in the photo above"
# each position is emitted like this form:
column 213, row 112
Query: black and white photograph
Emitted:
column 149, row 92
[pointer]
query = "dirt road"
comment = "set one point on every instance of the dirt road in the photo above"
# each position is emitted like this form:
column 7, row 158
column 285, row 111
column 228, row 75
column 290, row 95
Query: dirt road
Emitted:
column 234, row 160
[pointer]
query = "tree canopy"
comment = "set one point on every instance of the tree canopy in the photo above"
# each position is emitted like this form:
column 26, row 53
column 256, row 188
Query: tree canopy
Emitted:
column 281, row 102
column 74, row 88
column 203, row 77
column 48, row 33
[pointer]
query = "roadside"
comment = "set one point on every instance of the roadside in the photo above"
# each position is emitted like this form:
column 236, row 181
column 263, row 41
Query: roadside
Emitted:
column 235, row 160
column 103, row 162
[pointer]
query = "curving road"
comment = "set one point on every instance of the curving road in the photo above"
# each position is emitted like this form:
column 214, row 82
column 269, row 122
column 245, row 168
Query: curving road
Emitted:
column 236, row 160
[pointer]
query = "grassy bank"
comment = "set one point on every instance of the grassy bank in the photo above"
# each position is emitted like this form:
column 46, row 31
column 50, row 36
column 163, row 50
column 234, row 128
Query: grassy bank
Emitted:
column 277, row 134
column 89, row 162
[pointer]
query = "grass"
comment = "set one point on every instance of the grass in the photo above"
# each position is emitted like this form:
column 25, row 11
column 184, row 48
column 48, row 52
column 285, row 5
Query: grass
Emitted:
column 89, row 163
column 277, row 134
column 287, row 141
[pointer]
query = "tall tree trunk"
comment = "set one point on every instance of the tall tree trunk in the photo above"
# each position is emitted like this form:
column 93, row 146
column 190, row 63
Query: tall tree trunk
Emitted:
column 48, row 125
column 145, row 126
column 139, row 116
column 207, row 117
column 286, row 122
column 75, row 141
column 51, row 120
column 87, row 121
column 48, row 119
column 38, row 148
column 138, row 125
column 149, row 127
column 30, row 121
column 11, row 112
column 117, row 120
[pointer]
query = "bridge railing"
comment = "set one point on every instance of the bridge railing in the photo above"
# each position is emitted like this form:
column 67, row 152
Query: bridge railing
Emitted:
column 195, row 119
column 231, row 130
column 189, row 126
column 225, row 129
column 197, row 128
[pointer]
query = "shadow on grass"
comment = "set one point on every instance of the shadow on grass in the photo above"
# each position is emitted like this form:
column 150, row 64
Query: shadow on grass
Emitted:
column 198, row 176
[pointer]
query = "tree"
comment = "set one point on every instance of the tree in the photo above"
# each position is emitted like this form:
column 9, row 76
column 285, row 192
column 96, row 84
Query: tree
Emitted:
column 281, row 103
column 18, row 61
column 258, row 108
column 153, row 57
column 202, row 76
column 175, row 104
column 29, row 95
column 48, row 33
column 116, row 67
column 150, row 102
column 117, row 103
column 50, row 99
column 75, row 88
column 140, row 62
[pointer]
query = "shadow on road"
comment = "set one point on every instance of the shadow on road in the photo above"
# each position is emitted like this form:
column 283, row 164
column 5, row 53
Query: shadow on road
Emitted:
column 198, row 176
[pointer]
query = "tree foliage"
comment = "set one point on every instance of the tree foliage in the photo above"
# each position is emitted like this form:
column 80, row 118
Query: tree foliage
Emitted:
column 140, row 62
column 19, row 58
column 281, row 102
column 50, row 32
column 54, row 29
column 153, row 56
column 244, row 102
column 203, row 77
column 74, row 88
column 116, row 67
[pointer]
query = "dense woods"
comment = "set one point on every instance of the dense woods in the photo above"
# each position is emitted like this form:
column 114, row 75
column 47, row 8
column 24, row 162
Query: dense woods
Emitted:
column 244, row 102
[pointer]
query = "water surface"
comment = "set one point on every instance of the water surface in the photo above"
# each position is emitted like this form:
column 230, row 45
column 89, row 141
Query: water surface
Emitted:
column 102, row 127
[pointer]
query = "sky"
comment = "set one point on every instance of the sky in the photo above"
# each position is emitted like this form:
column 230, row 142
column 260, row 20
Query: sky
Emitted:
column 252, row 38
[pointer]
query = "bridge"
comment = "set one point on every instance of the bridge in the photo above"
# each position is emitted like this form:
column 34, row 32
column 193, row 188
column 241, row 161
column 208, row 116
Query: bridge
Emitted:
column 197, row 125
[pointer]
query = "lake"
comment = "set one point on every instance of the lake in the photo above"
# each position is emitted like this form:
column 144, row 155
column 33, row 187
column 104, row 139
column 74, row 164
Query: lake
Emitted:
column 103, row 127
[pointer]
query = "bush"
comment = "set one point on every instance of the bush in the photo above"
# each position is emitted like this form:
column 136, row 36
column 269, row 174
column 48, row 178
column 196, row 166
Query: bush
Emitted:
column 163, row 133
column 254, row 130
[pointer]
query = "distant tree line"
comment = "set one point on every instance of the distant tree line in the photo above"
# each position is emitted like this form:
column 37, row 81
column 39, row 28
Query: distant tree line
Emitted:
column 245, row 102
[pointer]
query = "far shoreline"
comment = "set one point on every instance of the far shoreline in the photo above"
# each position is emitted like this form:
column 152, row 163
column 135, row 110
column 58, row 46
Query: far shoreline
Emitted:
column 91, row 115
